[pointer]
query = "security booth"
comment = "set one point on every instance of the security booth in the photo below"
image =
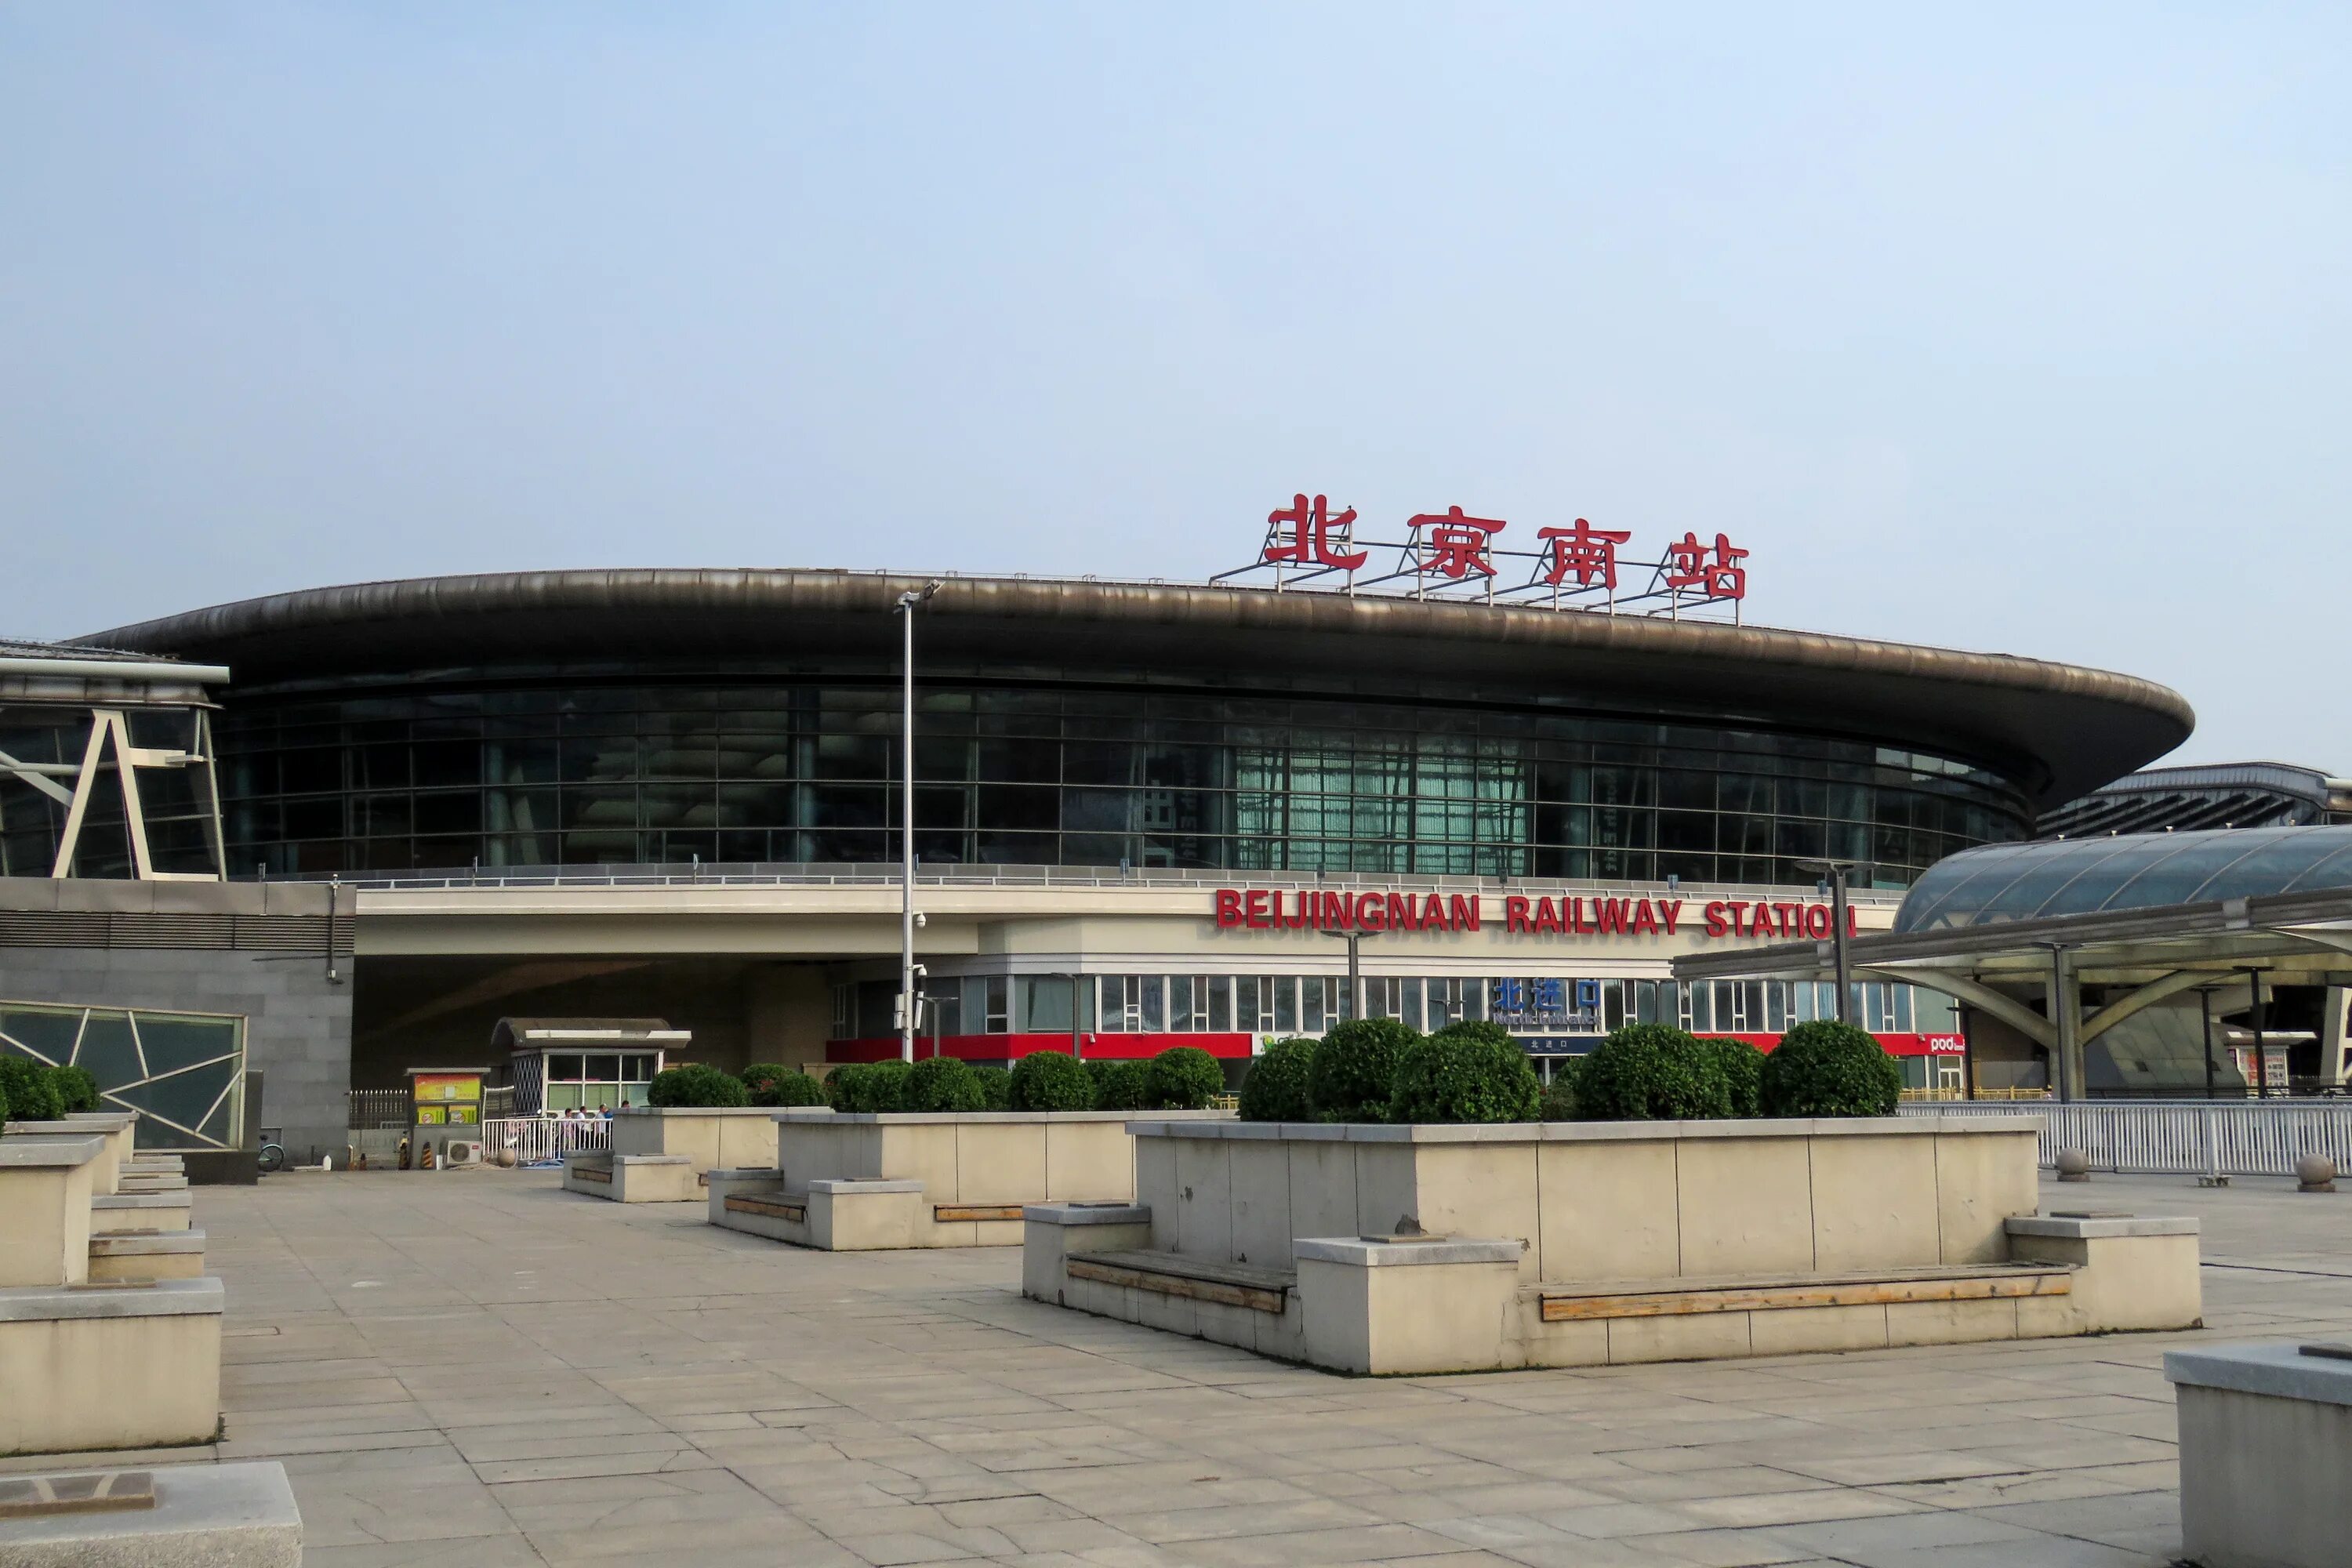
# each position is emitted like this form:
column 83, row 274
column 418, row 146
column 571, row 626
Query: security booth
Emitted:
column 445, row 1108
column 584, row 1064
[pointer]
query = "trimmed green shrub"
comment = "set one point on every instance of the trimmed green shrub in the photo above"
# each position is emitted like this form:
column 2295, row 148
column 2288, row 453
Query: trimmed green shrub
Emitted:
column 760, row 1081
column 4, row 1108
column 1183, row 1077
column 1354, row 1073
column 995, row 1087
column 79, row 1087
column 881, row 1089
column 1051, row 1081
column 31, row 1088
column 1828, row 1068
column 841, row 1085
column 1559, row 1094
column 1651, row 1072
column 1275, row 1089
column 790, row 1087
column 1120, row 1085
column 1743, row 1070
column 944, row 1084
column 1465, row 1072
column 696, row 1085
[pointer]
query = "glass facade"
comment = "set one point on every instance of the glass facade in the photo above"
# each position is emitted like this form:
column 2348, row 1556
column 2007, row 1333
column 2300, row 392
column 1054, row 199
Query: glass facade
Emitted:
column 51, row 742
column 183, row 1072
column 1059, row 772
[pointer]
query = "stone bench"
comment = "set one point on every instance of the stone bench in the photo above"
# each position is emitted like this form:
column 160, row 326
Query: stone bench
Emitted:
column 1566, row 1303
column 632, row 1178
column 2265, row 1445
column 150, row 1255
column 833, row 1214
column 1194, row 1278
column 120, row 1365
column 182, row 1516
column 139, row 1211
column 1419, row 1304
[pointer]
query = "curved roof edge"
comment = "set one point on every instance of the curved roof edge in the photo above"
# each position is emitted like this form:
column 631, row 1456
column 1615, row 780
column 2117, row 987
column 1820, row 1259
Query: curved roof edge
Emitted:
column 2061, row 730
column 2052, row 877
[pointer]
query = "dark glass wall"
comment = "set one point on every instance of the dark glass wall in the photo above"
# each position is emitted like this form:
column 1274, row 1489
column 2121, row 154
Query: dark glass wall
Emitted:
column 1058, row 774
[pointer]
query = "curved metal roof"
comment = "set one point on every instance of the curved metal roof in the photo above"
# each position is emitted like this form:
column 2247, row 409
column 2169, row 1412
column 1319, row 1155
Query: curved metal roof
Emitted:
column 2058, row 730
column 2129, row 871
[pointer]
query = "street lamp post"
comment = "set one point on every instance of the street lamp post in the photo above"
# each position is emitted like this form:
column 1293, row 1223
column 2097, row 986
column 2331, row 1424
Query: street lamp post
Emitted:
column 1355, row 969
column 907, row 1003
column 1834, row 874
column 1077, row 1049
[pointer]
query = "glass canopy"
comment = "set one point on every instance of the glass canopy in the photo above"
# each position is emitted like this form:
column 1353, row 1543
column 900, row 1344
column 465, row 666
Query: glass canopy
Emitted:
column 2128, row 871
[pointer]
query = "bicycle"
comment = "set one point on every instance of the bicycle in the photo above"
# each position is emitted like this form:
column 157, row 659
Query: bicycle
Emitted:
column 272, row 1156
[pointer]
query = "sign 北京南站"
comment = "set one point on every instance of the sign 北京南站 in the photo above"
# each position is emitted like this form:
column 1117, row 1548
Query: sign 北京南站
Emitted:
column 1568, row 915
column 1450, row 554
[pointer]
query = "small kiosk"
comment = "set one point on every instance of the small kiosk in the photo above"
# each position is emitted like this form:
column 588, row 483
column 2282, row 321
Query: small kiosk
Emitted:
column 445, row 1108
column 584, row 1064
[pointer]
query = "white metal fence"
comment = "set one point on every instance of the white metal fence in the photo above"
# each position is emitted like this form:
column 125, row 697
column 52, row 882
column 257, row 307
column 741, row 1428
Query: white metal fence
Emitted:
column 534, row 1139
column 2159, row 1137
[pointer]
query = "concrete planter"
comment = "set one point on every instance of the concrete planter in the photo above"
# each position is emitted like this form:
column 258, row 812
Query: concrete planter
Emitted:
column 958, row 1180
column 1374, row 1248
column 709, row 1137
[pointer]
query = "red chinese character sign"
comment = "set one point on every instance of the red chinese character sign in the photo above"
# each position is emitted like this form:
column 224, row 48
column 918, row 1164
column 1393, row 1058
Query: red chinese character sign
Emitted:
column 1454, row 546
column 1318, row 535
column 1451, row 554
column 1721, row 578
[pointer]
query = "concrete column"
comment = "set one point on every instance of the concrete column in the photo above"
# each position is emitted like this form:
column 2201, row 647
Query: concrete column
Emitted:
column 2066, row 1014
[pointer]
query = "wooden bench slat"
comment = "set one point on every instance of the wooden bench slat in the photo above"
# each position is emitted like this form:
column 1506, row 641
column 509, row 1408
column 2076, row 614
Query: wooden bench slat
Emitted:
column 944, row 1212
column 1657, row 1299
column 591, row 1173
column 771, row 1208
column 1194, row 1278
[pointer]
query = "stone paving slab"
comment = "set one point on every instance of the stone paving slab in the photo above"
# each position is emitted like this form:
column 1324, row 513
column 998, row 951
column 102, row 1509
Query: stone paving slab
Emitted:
column 478, row 1367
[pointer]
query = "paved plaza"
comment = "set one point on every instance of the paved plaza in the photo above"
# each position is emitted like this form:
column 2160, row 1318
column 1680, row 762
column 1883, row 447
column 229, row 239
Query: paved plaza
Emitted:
column 474, row 1369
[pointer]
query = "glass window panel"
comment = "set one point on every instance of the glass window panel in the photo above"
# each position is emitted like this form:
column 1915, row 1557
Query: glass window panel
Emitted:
column 173, row 1043
column 1153, row 1000
column 1286, row 1006
column 1221, row 1004
column 49, row 1036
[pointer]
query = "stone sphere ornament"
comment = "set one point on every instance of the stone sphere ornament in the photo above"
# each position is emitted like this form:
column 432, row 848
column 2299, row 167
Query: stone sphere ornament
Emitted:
column 2314, row 1174
column 2073, row 1165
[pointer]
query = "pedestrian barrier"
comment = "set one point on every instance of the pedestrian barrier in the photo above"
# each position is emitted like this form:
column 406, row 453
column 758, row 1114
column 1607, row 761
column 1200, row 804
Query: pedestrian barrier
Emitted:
column 542, row 1139
column 2160, row 1137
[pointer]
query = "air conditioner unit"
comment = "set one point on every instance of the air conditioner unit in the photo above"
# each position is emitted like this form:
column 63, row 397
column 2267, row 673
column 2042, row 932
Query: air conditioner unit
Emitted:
column 461, row 1152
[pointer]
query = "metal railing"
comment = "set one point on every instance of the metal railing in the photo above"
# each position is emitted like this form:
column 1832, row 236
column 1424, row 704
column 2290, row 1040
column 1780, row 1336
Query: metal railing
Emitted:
column 2230, row 1137
column 540, row 1140
column 374, row 1109
column 945, row 873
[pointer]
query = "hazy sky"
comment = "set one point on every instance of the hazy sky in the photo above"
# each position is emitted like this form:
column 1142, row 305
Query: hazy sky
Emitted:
column 2022, row 331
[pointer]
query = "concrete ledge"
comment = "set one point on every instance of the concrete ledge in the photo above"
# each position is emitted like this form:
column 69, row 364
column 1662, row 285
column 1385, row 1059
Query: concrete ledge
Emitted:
column 1007, row 1118
column 165, row 1255
column 2084, row 1226
column 28, row 1147
column 206, row 1516
column 139, row 1211
column 1172, row 1125
column 1365, row 1252
column 163, row 1299
column 2276, row 1371
column 1086, row 1213
column 2266, row 1443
